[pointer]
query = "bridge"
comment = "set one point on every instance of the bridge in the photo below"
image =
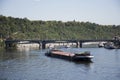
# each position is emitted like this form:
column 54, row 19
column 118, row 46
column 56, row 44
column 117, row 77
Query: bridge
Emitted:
column 42, row 43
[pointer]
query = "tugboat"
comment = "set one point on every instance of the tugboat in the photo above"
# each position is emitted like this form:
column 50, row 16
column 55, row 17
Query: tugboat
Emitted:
column 85, row 56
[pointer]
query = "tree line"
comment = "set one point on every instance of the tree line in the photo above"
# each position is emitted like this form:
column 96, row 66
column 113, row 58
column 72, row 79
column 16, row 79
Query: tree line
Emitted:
column 23, row 28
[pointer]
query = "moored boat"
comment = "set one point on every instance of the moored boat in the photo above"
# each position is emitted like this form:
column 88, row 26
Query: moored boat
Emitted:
column 109, row 45
column 85, row 56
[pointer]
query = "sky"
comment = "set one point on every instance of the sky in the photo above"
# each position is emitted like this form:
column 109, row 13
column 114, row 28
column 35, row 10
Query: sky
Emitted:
column 105, row 12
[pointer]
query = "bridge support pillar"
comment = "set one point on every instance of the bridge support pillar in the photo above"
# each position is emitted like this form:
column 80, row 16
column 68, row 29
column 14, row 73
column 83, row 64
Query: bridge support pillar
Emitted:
column 40, row 45
column 79, row 44
column 10, row 45
column 43, row 45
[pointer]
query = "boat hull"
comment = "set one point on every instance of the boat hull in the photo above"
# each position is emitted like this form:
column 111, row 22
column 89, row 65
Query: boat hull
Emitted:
column 82, row 58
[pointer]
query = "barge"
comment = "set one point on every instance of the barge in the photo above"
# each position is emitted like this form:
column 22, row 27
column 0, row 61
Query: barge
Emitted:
column 85, row 56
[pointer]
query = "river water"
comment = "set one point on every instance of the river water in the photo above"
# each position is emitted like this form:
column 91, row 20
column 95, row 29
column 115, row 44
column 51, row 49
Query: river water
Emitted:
column 34, row 65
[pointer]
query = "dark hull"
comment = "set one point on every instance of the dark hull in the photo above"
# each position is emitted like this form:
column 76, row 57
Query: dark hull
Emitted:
column 81, row 59
column 109, row 47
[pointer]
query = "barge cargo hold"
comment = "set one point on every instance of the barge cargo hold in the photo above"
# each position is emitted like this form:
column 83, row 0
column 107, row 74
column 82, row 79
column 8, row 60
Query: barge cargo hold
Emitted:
column 86, row 56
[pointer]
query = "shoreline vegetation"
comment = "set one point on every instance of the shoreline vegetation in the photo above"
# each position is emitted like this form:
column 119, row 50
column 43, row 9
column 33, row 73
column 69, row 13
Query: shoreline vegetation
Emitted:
column 23, row 28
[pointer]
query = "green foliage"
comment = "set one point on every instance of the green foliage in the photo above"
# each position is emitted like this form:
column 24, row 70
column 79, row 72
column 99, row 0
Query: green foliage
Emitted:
column 26, row 29
column 2, row 44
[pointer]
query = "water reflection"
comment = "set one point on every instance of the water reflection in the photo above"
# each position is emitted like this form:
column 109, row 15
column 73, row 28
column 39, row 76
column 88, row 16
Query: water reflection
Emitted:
column 8, row 54
column 12, row 54
column 86, row 66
